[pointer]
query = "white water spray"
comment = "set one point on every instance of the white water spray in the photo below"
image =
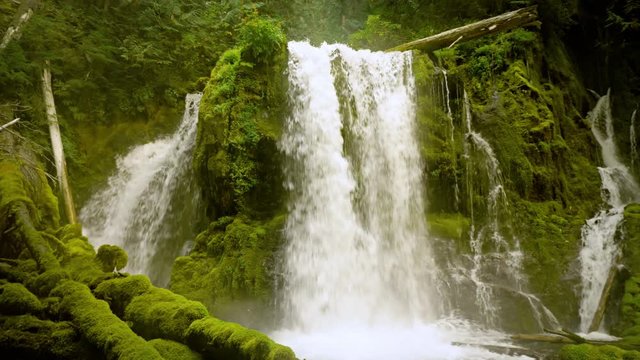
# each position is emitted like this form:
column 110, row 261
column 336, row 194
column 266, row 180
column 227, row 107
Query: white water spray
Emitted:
column 150, row 204
column 599, row 251
column 358, row 268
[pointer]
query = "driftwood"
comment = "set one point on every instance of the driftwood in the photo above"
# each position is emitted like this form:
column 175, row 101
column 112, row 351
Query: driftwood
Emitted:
column 602, row 304
column 9, row 124
column 511, row 20
column 56, row 145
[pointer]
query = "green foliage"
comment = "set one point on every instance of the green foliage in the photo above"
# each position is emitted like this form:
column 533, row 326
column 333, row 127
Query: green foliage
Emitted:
column 213, row 337
column 378, row 34
column 111, row 257
column 15, row 299
column 262, row 40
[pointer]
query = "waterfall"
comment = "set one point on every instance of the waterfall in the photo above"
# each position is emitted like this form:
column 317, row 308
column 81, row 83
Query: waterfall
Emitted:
column 150, row 204
column 633, row 141
column 599, row 250
column 496, row 257
column 359, row 273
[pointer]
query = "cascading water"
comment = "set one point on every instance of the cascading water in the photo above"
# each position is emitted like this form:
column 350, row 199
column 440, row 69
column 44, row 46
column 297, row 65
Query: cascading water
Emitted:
column 599, row 250
column 496, row 259
column 359, row 273
column 150, row 204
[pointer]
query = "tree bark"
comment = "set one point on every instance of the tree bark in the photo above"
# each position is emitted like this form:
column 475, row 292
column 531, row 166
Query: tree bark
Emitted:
column 506, row 21
column 56, row 145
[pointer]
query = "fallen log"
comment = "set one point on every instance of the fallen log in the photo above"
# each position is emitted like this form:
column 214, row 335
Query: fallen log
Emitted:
column 604, row 297
column 511, row 20
column 541, row 338
column 567, row 334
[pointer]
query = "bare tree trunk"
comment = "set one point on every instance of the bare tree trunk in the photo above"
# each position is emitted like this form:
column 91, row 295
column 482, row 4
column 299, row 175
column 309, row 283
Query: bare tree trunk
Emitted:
column 506, row 21
column 56, row 145
column 25, row 12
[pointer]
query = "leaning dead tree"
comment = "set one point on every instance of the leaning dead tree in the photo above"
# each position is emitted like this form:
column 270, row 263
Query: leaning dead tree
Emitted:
column 511, row 20
column 25, row 12
column 56, row 145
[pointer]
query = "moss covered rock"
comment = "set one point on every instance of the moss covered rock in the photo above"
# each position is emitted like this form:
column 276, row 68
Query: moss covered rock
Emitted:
column 15, row 299
column 111, row 257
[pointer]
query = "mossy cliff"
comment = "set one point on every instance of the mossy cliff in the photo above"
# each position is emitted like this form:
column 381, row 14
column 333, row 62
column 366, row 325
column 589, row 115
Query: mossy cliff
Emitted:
column 60, row 299
column 244, row 103
column 541, row 141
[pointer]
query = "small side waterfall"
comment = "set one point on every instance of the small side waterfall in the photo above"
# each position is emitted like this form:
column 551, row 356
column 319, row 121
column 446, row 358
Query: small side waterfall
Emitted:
column 360, row 278
column 599, row 250
column 496, row 256
column 150, row 204
column 447, row 98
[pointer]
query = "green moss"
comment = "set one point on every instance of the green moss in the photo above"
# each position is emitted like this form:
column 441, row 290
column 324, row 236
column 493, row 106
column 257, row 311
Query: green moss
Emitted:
column 231, row 264
column 240, row 118
column 159, row 313
column 119, row 292
column 592, row 352
column 27, row 337
column 111, row 257
column 213, row 337
column 47, row 281
column 171, row 350
column 100, row 326
column 15, row 299
column 449, row 226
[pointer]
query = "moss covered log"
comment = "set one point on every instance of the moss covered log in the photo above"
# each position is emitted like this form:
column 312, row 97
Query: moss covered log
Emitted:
column 49, row 311
column 100, row 326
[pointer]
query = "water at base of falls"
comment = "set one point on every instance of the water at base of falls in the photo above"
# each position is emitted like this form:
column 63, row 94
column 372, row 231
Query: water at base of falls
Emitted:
column 150, row 204
column 360, row 278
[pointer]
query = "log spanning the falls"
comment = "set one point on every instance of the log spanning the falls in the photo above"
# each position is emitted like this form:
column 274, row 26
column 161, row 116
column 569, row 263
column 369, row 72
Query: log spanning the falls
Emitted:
column 602, row 304
column 507, row 21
